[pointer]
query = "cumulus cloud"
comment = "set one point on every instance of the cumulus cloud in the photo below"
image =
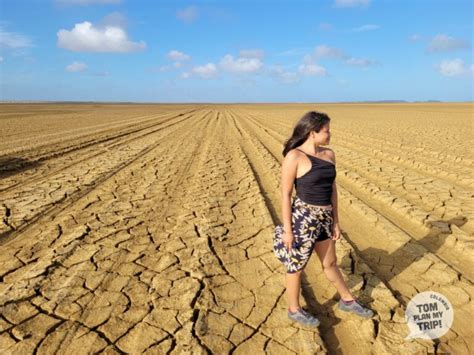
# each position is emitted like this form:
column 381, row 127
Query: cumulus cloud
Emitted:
column 177, row 56
column 351, row 3
column 241, row 64
column 312, row 70
column 75, row 67
column 207, row 71
column 85, row 37
column 188, row 14
column 13, row 40
column 454, row 67
column 445, row 43
column 366, row 28
column 279, row 73
column 326, row 52
column 87, row 2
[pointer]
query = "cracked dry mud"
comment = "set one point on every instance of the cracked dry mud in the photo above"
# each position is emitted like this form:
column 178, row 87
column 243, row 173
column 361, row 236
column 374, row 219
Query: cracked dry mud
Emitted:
column 147, row 228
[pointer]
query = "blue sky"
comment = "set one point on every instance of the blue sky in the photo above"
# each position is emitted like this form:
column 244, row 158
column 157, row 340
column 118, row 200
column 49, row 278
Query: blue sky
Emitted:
column 236, row 51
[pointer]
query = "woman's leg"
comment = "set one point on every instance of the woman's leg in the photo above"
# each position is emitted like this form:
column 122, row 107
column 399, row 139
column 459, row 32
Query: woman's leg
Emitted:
column 326, row 251
column 293, row 286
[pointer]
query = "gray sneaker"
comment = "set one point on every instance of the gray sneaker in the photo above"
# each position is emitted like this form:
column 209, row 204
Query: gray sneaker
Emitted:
column 357, row 308
column 303, row 317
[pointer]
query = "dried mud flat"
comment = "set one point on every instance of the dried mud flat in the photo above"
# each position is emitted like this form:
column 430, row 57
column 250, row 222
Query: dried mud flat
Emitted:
column 147, row 228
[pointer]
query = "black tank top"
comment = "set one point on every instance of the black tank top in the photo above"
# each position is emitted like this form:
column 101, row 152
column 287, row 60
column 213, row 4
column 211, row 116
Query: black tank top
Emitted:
column 315, row 187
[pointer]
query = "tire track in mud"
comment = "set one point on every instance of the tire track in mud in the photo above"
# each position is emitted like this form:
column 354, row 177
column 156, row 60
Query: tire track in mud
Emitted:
column 53, row 149
column 320, row 295
column 105, row 271
column 446, row 161
column 422, row 226
column 49, row 195
column 82, row 152
column 404, row 249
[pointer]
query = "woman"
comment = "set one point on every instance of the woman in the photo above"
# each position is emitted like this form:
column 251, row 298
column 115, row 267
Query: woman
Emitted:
column 310, row 222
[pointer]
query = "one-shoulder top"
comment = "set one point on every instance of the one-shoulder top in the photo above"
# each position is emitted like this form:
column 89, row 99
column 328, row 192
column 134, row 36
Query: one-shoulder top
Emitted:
column 315, row 186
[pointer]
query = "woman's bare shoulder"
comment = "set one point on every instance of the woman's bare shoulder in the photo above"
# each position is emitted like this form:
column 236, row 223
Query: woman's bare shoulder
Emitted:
column 294, row 153
column 330, row 154
column 292, row 157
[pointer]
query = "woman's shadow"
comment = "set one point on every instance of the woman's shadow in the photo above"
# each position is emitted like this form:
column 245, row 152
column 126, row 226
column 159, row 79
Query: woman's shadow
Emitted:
column 403, row 256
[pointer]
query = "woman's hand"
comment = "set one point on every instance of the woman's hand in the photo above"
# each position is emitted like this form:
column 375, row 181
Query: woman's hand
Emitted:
column 336, row 231
column 288, row 239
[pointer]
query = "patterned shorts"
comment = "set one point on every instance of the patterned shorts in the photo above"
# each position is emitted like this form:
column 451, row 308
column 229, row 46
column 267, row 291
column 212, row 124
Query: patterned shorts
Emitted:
column 311, row 224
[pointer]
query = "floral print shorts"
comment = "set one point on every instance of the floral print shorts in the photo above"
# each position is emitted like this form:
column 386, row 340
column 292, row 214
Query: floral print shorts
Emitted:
column 311, row 224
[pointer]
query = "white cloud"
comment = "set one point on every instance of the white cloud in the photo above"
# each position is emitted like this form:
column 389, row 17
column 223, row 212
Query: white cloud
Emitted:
column 207, row 71
column 361, row 62
column 325, row 52
column 283, row 76
column 185, row 75
column 84, row 37
column 454, row 67
column 312, row 69
column 351, row 3
column 252, row 53
column 13, row 40
column 366, row 28
column 75, row 67
column 87, row 2
column 188, row 14
column 177, row 56
column 240, row 65
column 445, row 43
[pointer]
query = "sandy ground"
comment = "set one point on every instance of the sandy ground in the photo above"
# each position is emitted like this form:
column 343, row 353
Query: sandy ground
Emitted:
column 147, row 228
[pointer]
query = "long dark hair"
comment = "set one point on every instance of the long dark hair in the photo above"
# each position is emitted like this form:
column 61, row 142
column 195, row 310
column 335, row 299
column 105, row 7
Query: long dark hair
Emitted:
column 311, row 121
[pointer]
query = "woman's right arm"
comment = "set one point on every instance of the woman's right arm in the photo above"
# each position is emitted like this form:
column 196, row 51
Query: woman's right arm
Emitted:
column 288, row 175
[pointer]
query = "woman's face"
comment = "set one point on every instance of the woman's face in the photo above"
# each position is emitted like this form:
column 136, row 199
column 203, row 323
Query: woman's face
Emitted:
column 322, row 137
